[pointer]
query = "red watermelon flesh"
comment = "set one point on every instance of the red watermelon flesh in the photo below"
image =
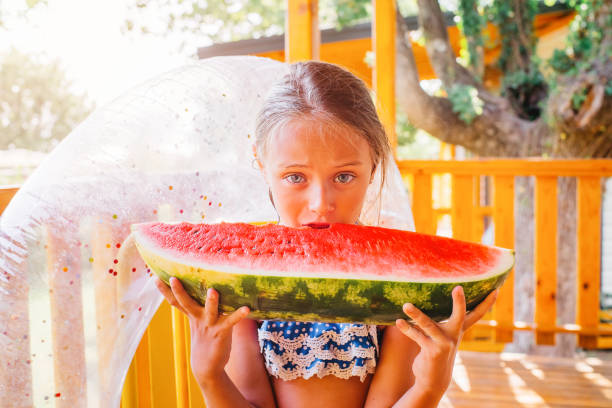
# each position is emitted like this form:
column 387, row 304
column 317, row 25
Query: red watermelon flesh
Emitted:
column 339, row 272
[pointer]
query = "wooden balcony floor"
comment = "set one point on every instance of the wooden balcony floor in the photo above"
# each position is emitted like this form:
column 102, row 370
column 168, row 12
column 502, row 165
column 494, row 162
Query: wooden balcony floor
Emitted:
column 504, row 380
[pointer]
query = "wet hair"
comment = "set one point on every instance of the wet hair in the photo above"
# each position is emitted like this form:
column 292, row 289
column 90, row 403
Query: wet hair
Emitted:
column 329, row 96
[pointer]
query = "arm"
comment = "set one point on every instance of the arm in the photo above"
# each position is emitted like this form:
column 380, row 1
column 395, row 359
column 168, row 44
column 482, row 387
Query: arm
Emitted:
column 433, row 366
column 415, row 371
column 221, row 392
column 393, row 374
column 246, row 367
column 211, row 338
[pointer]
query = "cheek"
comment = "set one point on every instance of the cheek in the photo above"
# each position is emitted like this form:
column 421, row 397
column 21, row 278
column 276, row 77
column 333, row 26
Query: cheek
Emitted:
column 285, row 200
column 351, row 202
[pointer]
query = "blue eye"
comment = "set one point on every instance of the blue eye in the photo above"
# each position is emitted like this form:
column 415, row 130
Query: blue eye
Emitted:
column 344, row 178
column 294, row 178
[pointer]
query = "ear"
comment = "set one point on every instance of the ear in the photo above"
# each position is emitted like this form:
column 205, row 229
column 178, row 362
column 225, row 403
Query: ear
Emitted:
column 372, row 174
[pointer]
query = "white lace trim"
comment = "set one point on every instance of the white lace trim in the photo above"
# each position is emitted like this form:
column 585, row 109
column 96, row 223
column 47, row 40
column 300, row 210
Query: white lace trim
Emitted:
column 275, row 363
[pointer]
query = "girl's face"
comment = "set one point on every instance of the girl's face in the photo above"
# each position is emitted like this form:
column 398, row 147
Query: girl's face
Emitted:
column 317, row 178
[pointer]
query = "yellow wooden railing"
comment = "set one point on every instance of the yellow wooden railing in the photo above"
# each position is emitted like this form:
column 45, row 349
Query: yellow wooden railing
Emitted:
column 467, row 215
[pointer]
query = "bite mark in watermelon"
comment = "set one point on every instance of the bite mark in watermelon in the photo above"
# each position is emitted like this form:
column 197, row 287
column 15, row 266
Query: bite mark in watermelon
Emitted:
column 343, row 273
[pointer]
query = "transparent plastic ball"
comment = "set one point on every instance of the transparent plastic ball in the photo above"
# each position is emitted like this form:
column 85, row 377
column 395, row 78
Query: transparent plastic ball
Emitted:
column 178, row 147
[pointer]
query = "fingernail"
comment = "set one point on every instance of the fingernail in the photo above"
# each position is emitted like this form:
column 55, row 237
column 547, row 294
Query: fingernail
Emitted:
column 408, row 306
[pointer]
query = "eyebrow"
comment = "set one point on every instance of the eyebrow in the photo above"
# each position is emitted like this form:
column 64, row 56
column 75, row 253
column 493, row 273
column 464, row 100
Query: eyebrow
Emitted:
column 353, row 163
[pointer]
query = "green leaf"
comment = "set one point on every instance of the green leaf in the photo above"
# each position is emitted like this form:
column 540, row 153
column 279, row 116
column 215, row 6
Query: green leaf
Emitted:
column 465, row 102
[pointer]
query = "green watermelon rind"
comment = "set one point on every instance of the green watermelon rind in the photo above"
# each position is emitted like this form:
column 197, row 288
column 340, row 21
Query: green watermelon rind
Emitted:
column 366, row 301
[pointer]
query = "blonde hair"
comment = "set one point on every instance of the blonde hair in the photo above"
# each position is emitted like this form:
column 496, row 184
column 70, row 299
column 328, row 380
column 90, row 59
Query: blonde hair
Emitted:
column 328, row 93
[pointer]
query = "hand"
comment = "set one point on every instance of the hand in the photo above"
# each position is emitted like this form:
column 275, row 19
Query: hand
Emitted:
column 433, row 366
column 211, row 333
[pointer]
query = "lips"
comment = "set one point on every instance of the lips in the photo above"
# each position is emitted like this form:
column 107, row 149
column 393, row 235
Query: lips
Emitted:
column 317, row 225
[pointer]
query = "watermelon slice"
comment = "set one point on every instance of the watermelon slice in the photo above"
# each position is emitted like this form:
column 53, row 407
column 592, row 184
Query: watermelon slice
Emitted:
column 333, row 273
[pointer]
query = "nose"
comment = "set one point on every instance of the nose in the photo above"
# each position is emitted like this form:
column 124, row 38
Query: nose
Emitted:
column 320, row 199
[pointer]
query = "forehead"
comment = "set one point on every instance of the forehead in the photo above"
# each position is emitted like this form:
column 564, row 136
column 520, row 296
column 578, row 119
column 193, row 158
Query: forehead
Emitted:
column 314, row 139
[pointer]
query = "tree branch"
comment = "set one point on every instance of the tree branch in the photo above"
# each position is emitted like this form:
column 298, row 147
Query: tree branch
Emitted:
column 442, row 57
column 591, row 106
column 439, row 50
column 497, row 132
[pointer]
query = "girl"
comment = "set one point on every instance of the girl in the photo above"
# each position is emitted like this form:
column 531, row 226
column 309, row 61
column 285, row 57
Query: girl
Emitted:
column 318, row 144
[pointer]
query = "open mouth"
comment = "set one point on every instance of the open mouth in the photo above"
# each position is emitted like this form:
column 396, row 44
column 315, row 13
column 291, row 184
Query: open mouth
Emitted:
column 318, row 225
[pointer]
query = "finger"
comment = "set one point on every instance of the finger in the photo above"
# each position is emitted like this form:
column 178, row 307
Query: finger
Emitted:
column 190, row 306
column 413, row 332
column 234, row 318
column 480, row 310
column 211, row 308
column 167, row 293
column 428, row 326
column 455, row 322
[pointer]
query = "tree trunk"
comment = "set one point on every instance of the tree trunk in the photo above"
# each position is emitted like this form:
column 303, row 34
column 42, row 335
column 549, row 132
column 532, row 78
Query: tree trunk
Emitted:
column 524, row 280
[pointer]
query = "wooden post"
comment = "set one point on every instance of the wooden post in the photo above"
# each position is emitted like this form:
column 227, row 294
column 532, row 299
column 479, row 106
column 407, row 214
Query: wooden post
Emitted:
column 462, row 207
column 421, row 204
column 383, row 35
column 545, row 258
column 462, row 216
column 503, row 220
column 181, row 365
column 302, row 35
column 104, row 251
column 589, row 257
column 196, row 399
column 67, row 330
column 15, row 357
column 478, row 221
column 6, row 195
column 159, row 332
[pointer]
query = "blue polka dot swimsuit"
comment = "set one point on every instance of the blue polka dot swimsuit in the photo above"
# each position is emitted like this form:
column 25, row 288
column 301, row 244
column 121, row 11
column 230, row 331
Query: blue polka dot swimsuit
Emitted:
column 303, row 349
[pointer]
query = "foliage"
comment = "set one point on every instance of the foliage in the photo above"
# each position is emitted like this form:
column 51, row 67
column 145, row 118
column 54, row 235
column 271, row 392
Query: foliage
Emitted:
column 584, row 39
column 233, row 20
column 527, row 90
column 466, row 102
column 214, row 21
column 584, row 48
column 404, row 130
column 350, row 11
column 24, row 8
column 471, row 22
column 37, row 106
column 512, row 27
